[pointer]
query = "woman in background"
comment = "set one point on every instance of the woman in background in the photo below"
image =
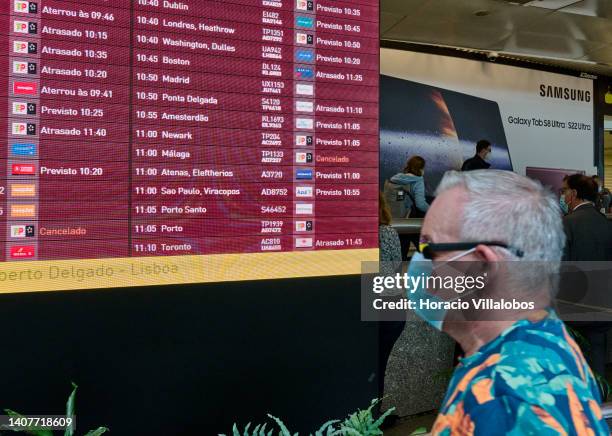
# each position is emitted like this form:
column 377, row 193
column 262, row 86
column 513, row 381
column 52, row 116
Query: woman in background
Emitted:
column 409, row 188
column 414, row 186
column 391, row 263
column 388, row 238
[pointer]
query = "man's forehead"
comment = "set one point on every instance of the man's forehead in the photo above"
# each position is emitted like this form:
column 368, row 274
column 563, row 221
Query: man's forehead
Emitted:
column 442, row 222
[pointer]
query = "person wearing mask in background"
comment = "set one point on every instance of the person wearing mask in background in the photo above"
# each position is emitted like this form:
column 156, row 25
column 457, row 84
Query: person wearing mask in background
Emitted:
column 588, row 232
column 588, row 238
column 390, row 264
column 405, row 193
column 604, row 197
column 523, row 375
column 478, row 162
column 562, row 203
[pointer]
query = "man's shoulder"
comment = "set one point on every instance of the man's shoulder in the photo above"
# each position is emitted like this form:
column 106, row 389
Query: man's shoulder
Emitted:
column 542, row 354
column 468, row 163
column 534, row 352
column 584, row 213
column 475, row 163
column 547, row 339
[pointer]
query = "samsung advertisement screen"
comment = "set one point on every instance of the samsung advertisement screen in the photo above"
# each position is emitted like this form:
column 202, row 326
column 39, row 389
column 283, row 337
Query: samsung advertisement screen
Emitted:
column 440, row 125
column 149, row 142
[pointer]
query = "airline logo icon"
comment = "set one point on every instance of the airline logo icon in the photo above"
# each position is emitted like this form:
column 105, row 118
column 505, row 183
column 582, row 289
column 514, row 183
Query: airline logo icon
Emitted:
column 304, row 89
column 26, row 7
column 22, row 252
column 303, row 140
column 21, row 7
column 23, row 169
column 22, row 231
column 303, row 174
column 25, row 88
column 20, row 26
column 304, row 5
column 23, row 47
column 303, row 226
column 301, row 157
column 23, row 210
column 23, row 190
column 23, row 149
column 304, row 191
column 304, row 22
column 20, row 67
column 25, row 27
column 303, row 209
column 303, row 243
column 305, row 55
column 304, row 106
column 304, row 123
column 24, row 129
column 23, row 108
column 304, row 38
column 303, row 73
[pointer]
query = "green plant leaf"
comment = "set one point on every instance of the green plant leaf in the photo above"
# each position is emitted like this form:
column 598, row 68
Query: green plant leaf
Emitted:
column 284, row 430
column 33, row 431
column 355, row 421
column 256, row 430
column 360, row 423
column 418, row 431
column 376, row 424
column 327, row 426
column 70, row 409
column 262, row 432
column 97, row 432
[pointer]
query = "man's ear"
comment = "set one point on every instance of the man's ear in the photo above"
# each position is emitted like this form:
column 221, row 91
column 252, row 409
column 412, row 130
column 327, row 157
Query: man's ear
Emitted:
column 486, row 254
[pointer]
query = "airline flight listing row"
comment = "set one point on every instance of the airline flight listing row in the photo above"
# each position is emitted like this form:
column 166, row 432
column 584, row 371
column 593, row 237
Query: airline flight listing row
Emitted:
column 156, row 128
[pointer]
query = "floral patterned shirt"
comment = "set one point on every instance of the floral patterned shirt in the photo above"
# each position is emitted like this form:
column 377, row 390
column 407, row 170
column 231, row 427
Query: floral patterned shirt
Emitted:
column 530, row 380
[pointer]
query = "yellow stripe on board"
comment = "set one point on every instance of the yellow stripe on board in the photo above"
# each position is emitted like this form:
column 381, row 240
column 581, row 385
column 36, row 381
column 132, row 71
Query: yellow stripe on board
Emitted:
column 66, row 275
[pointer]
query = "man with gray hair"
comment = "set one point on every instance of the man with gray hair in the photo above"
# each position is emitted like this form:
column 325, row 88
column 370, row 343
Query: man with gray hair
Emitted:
column 522, row 374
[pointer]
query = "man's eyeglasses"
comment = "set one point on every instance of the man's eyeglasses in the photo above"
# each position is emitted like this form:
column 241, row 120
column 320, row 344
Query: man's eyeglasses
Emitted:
column 430, row 249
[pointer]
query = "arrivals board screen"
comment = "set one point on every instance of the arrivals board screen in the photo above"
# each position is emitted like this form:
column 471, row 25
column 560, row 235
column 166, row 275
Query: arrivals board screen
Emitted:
column 153, row 142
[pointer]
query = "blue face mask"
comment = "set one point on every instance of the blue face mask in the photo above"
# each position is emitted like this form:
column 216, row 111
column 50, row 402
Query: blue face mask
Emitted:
column 563, row 204
column 421, row 267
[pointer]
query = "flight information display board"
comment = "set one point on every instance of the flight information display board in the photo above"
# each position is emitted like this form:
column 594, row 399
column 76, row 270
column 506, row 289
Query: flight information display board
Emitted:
column 152, row 141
